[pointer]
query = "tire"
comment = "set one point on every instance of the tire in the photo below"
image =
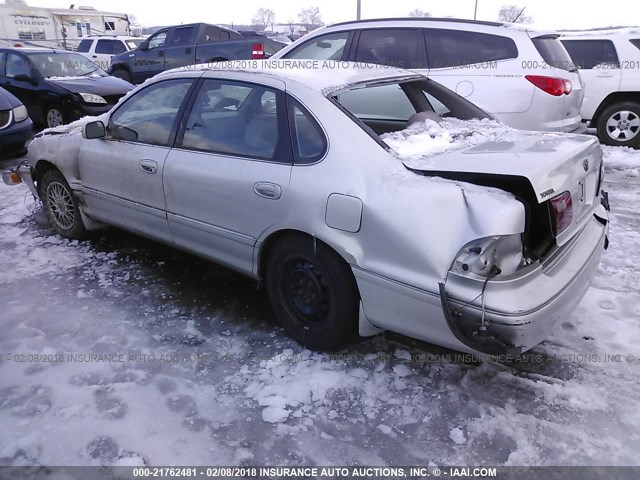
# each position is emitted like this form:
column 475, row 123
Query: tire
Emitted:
column 61, row 206
column 122, row 74
column 54, row 117
column 321, row 312
column 619, row 125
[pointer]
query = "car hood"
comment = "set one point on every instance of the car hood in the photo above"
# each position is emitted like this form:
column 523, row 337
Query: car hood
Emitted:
column 7, row 100
column 95, row 85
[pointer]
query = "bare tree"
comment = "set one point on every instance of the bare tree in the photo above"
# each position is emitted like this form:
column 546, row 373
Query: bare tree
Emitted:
column 133, row 20
column 418, row 12
column 310, row 17
column 513, row 14
column 264, row 17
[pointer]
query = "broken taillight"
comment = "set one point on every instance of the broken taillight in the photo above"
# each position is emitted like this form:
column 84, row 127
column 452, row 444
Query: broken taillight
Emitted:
column 257, row 51
column 561, row 212
column 552, row 85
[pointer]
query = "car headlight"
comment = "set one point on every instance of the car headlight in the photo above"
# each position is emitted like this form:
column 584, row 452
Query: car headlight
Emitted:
column 498, row 256
column 91, row 98
column 20, row 113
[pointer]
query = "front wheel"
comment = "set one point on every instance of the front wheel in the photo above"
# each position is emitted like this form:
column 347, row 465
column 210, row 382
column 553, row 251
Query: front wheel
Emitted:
column 54, row 117
column 61, row 206
column 122, row 74
column 313, row 293
column 619, row 125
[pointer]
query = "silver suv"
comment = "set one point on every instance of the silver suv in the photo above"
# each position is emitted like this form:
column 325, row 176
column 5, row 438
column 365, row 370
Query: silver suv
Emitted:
column 609, row 63
column 524, row 78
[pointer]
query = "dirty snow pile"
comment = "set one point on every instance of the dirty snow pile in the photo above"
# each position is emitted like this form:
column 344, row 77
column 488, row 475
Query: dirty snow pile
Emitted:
column 430, row 137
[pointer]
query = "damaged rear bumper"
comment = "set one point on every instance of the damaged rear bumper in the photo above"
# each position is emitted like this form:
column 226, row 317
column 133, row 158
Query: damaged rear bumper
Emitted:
column 520, row 312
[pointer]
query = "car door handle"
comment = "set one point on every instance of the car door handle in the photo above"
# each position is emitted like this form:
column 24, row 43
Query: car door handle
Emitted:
column 148, row 166
column 267, row 190
column 95, row 56
column 605, row 75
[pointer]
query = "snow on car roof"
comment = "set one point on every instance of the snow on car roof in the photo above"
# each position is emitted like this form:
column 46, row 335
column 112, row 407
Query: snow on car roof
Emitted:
column 324, row 76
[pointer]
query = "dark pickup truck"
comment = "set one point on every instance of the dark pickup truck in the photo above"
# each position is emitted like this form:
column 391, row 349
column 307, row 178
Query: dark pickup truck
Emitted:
column 184, row 45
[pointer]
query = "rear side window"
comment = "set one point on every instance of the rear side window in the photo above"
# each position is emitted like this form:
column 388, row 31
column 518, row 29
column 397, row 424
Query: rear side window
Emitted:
column 393, row 47
column 181, row 36
column 309, row 143
column 636, row 42
column 234, row 118
column 588, row 54
column 325, row 47
column 451, row 48
column 105, row 47
column 553, row 52
column 85, row 46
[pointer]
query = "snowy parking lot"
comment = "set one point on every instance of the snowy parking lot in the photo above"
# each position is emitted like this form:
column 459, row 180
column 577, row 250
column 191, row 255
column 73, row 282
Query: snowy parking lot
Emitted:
column 120, row 351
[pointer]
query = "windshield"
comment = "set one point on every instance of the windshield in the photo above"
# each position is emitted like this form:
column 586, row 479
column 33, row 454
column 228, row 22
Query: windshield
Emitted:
column 133, row 44
column 63, row 64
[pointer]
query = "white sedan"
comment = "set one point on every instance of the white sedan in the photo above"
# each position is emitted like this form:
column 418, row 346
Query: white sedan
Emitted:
column 360, row 207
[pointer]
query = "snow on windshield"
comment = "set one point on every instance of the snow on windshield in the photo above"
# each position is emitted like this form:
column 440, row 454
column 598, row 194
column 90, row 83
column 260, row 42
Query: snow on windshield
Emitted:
column 428, row 138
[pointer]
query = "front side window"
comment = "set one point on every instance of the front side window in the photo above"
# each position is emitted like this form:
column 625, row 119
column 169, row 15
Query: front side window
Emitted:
column 589, row 54
column 452, row 48
column 325, row 47
column 17, row 65
column 158, row 40
column 393, row 47
column 234, row 118
column 636, row 42
column 309, row 142
column 149, row 115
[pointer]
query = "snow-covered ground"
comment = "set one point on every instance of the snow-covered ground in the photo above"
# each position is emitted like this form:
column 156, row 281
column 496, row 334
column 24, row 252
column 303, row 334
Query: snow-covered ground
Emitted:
column 193, row 370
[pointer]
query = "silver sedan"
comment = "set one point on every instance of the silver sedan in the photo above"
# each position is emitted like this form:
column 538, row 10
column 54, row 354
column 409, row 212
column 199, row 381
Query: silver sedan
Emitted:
column 287, row 174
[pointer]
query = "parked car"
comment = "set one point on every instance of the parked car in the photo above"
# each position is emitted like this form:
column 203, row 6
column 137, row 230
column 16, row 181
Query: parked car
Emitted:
column 609, row 63
column 16, row 128
column 523, row 77
column 58, row 86
column 185, row 45
column 101, row 49
column 269, row 172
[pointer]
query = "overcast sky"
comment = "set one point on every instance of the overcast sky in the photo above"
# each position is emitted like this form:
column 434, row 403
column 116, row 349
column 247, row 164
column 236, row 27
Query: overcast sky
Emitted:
column 555, row 14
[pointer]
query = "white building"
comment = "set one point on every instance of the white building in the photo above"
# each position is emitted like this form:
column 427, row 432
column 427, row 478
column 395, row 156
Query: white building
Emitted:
column 25, row 26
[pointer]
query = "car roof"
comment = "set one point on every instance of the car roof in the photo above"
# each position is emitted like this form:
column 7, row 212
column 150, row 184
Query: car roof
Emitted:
column 33, row 49
column 456, row 24
column 601, row 32
column 324, row 76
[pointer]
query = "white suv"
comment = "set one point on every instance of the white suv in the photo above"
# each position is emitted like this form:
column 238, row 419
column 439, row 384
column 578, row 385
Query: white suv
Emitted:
column 609, row 63
column 101, row 49
column 522, row 77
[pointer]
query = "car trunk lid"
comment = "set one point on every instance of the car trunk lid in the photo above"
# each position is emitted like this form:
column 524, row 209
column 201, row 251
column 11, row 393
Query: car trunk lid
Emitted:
column 551, row 163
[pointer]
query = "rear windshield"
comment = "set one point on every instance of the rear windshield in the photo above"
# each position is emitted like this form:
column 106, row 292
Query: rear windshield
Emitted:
column 553, row 52
column 636, row 42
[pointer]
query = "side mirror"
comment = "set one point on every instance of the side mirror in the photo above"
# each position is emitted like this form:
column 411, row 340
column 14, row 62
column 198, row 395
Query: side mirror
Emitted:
column 144, row 46
column 23, row 77
column 94, row 130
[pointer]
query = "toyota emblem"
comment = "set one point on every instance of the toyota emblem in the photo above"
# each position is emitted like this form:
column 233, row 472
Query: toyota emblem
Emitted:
column 585, row 165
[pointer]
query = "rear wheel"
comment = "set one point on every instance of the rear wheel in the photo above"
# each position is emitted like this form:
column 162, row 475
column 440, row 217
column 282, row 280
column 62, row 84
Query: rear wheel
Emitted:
column 60, row 205
column 313, row 293
column 619, row 125
column 122, row 74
